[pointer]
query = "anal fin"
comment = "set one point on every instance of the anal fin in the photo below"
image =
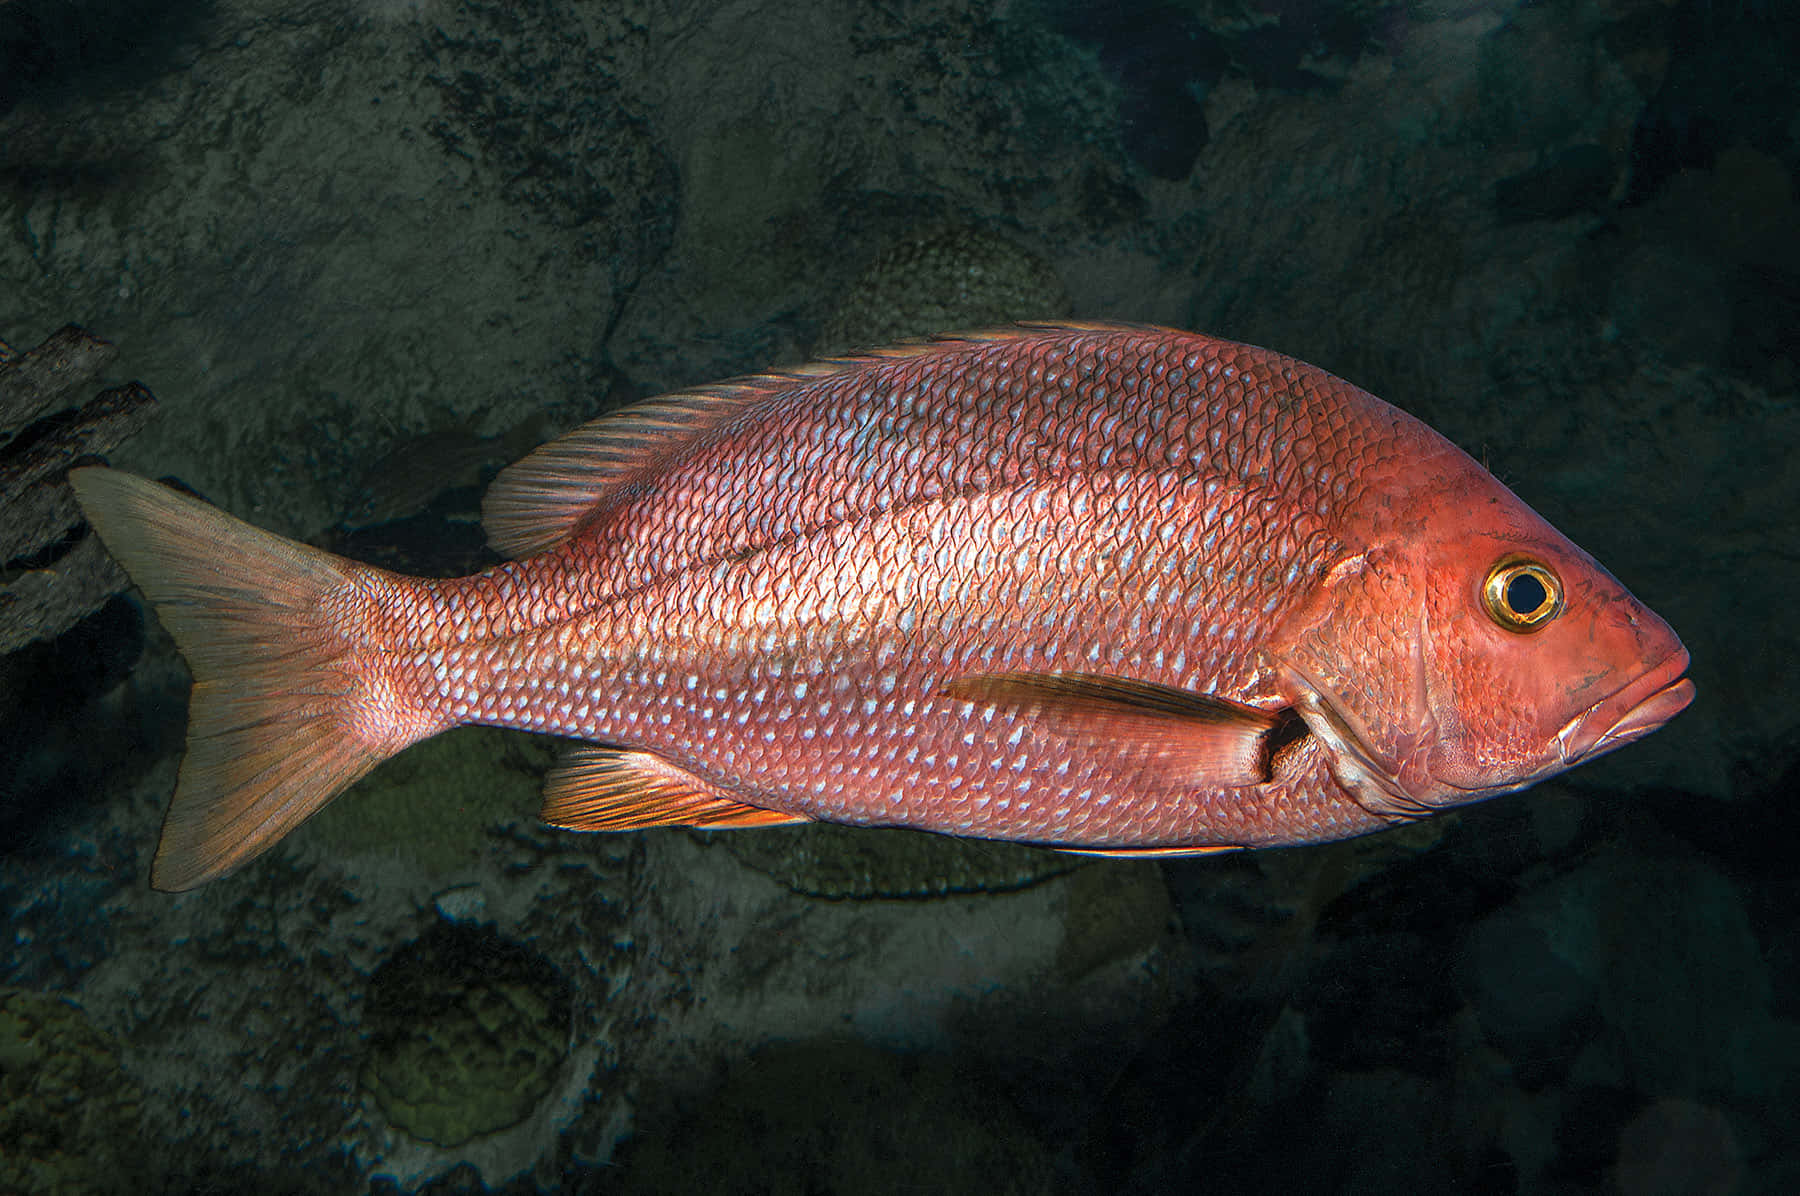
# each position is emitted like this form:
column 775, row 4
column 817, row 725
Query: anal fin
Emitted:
column 601, row 789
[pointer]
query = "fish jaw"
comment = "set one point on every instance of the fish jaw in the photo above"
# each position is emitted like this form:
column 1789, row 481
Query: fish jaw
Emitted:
column 1407, row 787
column 1631, row 713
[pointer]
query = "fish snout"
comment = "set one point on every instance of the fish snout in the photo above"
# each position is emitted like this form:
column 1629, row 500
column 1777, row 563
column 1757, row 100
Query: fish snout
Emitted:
column 1646, row 703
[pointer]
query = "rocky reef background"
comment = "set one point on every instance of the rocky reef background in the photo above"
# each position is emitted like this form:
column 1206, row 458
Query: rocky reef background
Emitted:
column 366, row 251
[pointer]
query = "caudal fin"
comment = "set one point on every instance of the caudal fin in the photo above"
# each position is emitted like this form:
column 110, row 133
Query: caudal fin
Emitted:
column 283, row 715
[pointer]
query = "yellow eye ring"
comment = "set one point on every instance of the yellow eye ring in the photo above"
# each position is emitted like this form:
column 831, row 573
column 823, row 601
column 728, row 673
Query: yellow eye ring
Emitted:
column 1522, row 594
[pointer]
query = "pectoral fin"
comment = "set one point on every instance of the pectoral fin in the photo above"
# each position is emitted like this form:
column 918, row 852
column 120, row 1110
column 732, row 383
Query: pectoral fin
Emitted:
column 597, row 789
column 1209, row 741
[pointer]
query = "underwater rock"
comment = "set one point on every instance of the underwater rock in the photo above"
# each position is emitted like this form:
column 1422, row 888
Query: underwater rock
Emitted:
column 853, row 125
column 1679, row 1148
column 860, row 863
column 1251, row 916
column 1166, row 59
column 1575, row 180
column 1387, row 1126
column 1652, row 962
column 68, row 1114
column 64, row 45
column 1163, row 61
column 957, row 278
column 47, row 580
column 1536, row 1006
column 1283, row 1061
column 461, row 903
column 401, row 244
column 840, row 1116
column 1111, row 914
column 324, row 250
column 33, row 382
column 1728, row 82
column 1051, row 988
column 468, row 1033
column 1715, row 272
column 269, row 982
column 418, row 470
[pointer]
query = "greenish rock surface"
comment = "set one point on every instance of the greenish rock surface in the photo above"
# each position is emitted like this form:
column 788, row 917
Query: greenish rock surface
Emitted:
column 68, row 1114
column 436, row 804
column 468, row 1033
column 324, row 232
column 821, row 860
column 1119, row 911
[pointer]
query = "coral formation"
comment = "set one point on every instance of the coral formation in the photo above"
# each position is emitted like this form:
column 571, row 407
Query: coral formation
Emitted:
column 436, row 803
column 949, row 279
column 68, row 1115
column 468, row 1033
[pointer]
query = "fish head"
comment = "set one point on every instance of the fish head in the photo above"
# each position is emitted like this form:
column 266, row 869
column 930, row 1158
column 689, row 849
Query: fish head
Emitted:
column 1469, row 650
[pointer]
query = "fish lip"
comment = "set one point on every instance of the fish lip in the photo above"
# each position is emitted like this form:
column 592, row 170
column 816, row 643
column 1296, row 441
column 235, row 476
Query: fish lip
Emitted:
column 1640, row 707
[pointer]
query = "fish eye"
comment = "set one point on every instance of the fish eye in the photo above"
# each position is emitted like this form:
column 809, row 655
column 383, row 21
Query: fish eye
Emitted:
column 1522, row 594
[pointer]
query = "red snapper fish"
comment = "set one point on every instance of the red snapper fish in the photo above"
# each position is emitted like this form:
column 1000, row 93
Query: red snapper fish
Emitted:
column 1107, row 588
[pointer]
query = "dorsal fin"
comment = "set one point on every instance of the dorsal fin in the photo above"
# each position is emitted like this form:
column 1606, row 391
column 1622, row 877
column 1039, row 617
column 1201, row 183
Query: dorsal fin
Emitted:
column 597, row 789
column 537, row 502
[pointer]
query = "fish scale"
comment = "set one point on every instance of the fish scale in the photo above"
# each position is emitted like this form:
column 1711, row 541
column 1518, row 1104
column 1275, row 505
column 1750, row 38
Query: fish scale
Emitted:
column 1103, row 587
column 912, row 426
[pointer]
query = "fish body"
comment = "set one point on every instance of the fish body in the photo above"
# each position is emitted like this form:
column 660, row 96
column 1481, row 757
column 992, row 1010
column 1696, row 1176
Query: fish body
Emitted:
column 1101, row 587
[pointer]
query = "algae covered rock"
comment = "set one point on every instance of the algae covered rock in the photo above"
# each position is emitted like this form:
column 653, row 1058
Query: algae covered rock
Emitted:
column 436, row 804
column 468, row 1034
column 68, row 1116
column 950, row 279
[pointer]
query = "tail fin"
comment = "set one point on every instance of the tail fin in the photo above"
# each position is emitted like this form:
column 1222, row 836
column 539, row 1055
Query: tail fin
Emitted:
column 282, row 719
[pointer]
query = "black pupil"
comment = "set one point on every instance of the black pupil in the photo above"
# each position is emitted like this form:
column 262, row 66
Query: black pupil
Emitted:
column 1525, row 594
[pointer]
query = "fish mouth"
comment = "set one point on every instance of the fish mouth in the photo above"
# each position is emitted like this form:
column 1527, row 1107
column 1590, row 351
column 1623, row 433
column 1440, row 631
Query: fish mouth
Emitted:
column 1633, row 712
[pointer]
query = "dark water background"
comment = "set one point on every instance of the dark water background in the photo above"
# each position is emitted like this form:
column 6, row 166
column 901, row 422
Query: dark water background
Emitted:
column 366, row 251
